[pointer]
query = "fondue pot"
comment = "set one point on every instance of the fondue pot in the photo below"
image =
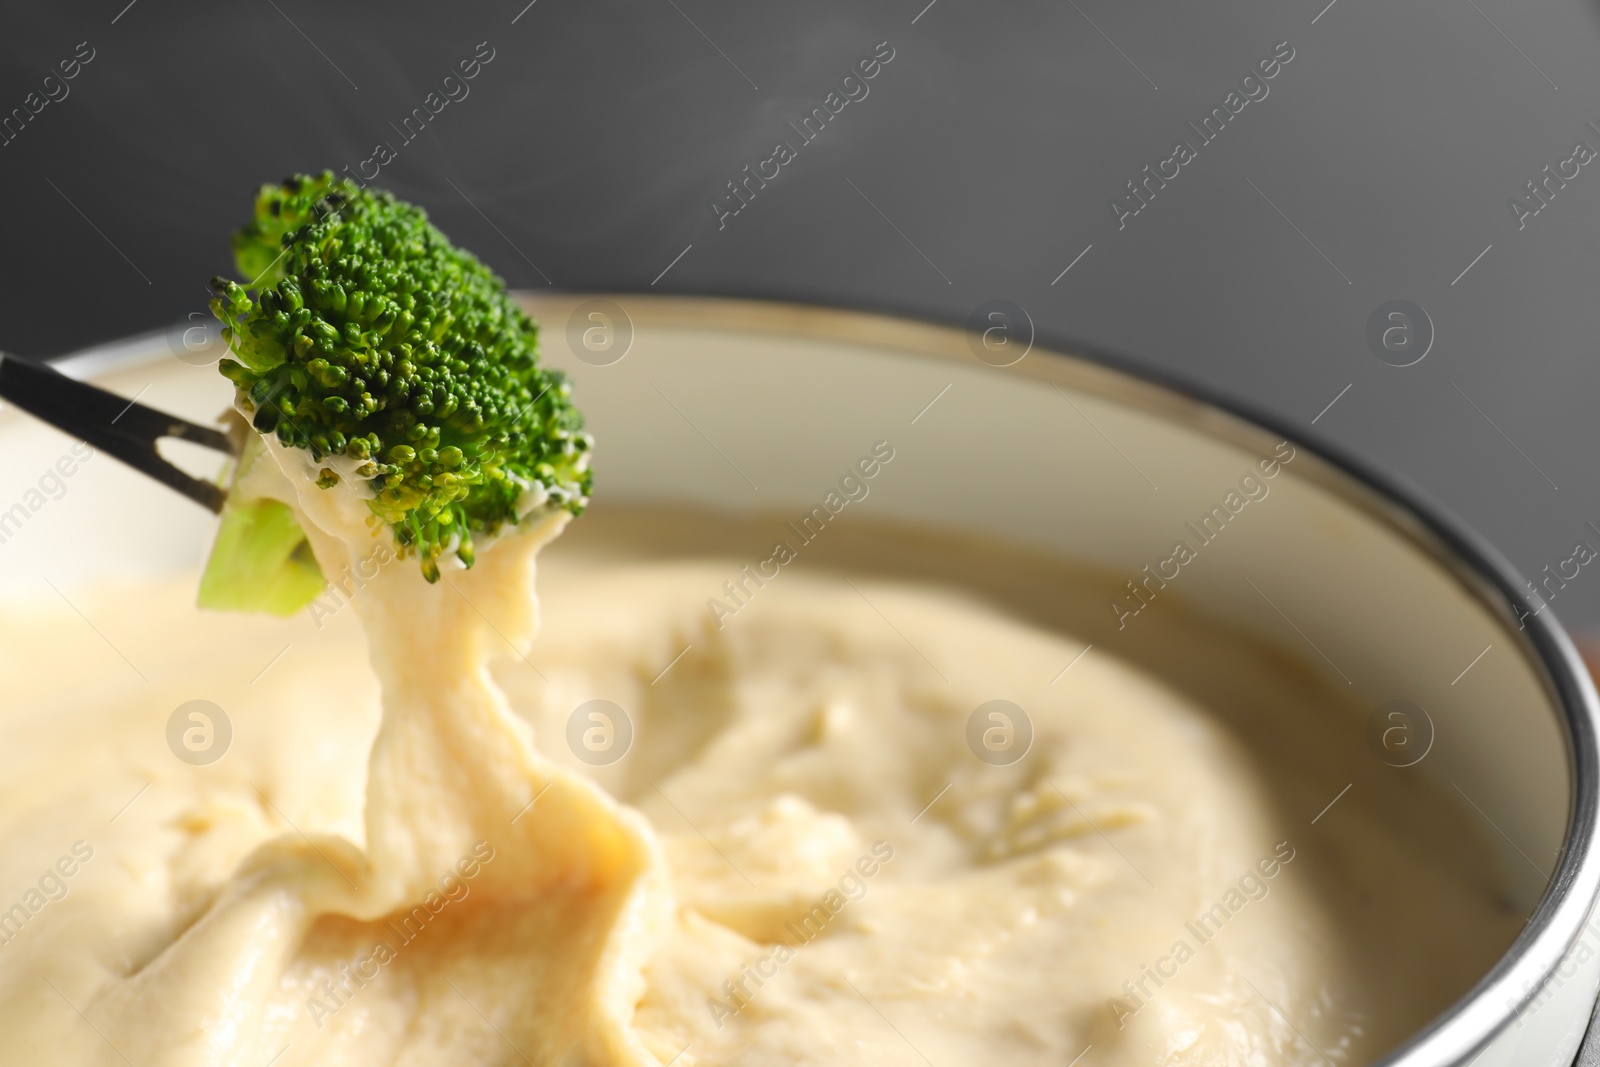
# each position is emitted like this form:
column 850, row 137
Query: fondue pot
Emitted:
column 747, row 406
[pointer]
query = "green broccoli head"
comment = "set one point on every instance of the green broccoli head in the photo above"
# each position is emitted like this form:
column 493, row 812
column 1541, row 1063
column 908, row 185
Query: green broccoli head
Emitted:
column 400, row 362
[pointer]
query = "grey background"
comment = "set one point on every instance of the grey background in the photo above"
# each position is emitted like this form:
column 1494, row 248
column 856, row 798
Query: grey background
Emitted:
column 979, row 166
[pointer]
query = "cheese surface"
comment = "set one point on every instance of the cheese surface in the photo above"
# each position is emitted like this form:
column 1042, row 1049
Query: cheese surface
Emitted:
column 894, row 810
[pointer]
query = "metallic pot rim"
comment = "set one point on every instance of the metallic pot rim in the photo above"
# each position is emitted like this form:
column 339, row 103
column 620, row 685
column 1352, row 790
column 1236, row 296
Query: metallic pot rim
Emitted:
column 1556, row 923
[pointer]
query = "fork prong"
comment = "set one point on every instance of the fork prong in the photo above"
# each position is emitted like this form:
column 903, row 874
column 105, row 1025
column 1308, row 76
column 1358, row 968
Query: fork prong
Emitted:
column 124, row 429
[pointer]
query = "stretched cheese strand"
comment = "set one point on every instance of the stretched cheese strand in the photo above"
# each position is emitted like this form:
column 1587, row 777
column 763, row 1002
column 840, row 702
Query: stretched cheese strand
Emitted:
column 575, row 878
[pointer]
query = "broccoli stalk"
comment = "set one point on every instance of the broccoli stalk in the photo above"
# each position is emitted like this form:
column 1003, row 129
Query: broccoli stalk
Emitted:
column 261, row 559
column 402, row 366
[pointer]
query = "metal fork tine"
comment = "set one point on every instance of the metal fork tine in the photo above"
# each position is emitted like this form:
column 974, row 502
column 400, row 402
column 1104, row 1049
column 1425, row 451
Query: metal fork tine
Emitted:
column 117, row 426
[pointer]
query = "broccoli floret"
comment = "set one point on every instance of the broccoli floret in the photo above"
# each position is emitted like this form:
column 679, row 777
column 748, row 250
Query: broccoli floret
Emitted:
column 398, row 361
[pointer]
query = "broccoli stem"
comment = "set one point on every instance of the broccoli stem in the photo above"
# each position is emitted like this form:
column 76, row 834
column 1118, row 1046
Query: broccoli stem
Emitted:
column 261, row 561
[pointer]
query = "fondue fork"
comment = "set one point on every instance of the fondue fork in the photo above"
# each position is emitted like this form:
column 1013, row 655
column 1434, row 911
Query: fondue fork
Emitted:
column 117, row 426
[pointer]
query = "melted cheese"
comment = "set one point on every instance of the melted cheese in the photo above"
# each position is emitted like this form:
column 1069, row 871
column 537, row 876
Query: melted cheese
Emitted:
column 418, row 849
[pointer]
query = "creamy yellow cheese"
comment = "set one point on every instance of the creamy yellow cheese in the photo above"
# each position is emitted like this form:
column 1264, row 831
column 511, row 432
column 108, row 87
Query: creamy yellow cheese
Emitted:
column 781, row 836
